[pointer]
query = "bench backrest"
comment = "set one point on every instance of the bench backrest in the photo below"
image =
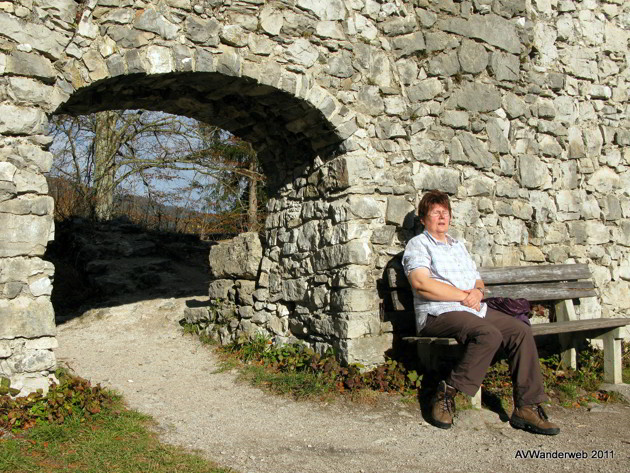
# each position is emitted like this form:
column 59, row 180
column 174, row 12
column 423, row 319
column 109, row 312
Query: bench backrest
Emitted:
column 534, row 283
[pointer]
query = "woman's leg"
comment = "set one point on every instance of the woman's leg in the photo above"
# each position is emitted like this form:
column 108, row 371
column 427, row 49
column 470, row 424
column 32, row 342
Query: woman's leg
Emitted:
column 522, row 353
column 481, row 340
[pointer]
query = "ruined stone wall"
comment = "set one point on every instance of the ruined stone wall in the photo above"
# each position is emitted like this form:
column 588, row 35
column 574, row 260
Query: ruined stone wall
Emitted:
column 517, row 108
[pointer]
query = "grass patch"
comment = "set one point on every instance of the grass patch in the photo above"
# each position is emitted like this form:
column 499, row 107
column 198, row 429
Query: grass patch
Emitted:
column 77, row 427
column 567, row 387
column 116, row 441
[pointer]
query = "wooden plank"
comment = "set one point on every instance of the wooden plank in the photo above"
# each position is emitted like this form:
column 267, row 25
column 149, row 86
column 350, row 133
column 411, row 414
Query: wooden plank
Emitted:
column 396, row 278
column 578, row 326
column 509, row 274
column 543, row 292
column 538, row 273
column 402, row 300
column 552, row 328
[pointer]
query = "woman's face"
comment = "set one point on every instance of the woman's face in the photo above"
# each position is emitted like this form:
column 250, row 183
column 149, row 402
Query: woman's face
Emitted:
column 437, row 220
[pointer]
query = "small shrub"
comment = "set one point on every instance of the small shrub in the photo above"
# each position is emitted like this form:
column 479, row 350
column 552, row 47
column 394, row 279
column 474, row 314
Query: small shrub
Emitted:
column 317, row 373
column 72, row 397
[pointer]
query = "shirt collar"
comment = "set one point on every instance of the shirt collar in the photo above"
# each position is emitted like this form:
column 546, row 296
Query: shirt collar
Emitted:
column 449, row 239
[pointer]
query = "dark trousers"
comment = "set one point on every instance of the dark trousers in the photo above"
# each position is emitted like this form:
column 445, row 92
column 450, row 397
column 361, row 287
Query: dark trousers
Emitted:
column 481, row 339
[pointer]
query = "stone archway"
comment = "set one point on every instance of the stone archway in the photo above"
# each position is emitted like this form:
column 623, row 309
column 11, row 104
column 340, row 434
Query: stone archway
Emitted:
column 517, row 109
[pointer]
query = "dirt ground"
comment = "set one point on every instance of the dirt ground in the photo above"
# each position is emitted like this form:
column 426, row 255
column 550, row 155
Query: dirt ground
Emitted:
column 138, row 349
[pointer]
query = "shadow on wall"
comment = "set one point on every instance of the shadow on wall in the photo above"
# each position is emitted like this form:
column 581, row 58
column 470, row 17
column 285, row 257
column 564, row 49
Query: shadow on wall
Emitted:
column 116, row 262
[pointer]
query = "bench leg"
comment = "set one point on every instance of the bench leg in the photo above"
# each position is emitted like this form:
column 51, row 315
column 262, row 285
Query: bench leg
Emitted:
column 476, row 400
column 565, row 312
column 612, row 356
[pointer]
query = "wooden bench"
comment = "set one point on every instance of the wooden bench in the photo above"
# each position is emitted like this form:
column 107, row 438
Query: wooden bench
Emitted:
column 562, row 283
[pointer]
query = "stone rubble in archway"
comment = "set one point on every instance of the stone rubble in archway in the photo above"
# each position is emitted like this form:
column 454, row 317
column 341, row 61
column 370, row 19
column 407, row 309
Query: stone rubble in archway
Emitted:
column 517, row 109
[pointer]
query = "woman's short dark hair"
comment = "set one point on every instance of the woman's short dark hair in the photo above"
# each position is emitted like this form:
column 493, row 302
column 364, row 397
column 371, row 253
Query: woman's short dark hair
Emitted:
column 432, row 198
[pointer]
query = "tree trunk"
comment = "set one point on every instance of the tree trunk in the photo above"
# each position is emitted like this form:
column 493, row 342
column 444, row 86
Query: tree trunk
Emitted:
column 252, row 201
column 105, row 147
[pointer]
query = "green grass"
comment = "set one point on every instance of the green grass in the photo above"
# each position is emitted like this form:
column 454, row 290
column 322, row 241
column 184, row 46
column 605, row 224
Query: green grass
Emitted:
column 300, row 385
column 116, row 441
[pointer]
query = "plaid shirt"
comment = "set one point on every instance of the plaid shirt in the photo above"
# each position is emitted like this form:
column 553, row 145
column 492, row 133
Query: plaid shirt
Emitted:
column 449, row 263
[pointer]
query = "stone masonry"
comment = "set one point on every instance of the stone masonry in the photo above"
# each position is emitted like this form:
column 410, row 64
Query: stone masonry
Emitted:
column 517, row 108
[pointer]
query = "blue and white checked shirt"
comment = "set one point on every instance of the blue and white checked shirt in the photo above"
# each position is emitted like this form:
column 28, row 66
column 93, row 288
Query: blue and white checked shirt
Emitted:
column 447, row 262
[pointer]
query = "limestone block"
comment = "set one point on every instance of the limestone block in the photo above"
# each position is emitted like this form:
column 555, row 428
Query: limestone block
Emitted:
column 465, row 148
column 490, row 28
column 351, row 276
column 361, row 27
column 430, row 178
column 428, row 150
column 533, row 173
column 330, row 30
column 31, row 361
column 330, row 10
column 22, row 120
column 409, row 44
column 38, row 36
column 532, row 253
column 617, row 294
column 507, row 188
column 245, row 292
column 478, row 97
column 353, row 252
column 455, row 119
column 505, row 67
column 28, row 205
column 425, row 90
column 238, row 258
column 612, row 208
column 616, row 39
column 234, row 35
column 444, row 64
column 7, row 171
column 271, row 20
column 514, row 106
column 473, row 57
column 23, row 235
column 440, row 41
column 294, row 289
column 621, row 233
column 26, row 317
column 353, row 299
column 202, row 31
column 604, row 180
column 219, row 288
column 465, row 212
column 27, row 182
column 302, row 52
column 160, row 60
column 497, row 136
column 580, row 62
column 399, row 211
column 515, row 231
column 549, row 146
column 365, row 207
column 152, row 21
column 368, row 350
column 557, row 254
column 479, row 186
column 345, row 232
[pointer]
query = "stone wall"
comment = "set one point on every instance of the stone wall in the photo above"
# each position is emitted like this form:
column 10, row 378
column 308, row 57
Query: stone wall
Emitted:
column 517, row 108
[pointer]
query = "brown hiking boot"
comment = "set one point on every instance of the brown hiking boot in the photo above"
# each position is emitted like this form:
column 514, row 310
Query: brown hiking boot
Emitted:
column 443, row 406
column 534, row 419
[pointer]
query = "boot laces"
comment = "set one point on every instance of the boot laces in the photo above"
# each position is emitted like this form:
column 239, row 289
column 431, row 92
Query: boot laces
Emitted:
column 448, row 403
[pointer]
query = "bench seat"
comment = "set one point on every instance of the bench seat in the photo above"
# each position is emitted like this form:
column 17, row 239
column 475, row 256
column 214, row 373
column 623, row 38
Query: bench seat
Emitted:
column 561, row 283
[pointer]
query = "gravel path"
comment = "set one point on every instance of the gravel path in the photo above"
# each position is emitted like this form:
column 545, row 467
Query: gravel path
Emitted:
column 139, row 350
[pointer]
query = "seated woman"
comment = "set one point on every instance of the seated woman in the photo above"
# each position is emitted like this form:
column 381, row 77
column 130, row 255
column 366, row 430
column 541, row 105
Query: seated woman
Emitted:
column 448, row 293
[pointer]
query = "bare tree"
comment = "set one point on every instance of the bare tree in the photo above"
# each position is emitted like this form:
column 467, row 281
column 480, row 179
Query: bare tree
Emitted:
column 100, row 152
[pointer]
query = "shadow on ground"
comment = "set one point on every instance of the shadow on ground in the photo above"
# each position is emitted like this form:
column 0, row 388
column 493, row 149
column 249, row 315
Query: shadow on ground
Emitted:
column 111, row 263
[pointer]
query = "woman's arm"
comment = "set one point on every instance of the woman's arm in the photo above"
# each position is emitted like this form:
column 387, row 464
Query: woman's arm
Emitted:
column 434, row 290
